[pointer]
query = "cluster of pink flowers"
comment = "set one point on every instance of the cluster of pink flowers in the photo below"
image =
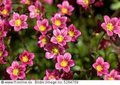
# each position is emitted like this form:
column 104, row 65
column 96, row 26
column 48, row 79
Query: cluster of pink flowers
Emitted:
column 54, row 38
column 17, row 70
column 111, row 25
column 102, row 68
column 3, row 34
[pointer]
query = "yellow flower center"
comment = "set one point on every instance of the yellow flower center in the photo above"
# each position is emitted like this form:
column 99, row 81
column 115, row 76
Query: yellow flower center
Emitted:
column 51, row 77
column 55, row 51
column 64, row 10
column 59, row 38
column 4, row 12
column 99, row 68
column 25, row 58
column 44, row 40
column 110, row 26
column 42, row 28
column 18, row 22
column 37, row 10
column 86, row 2
column 64, row 63
column 110, row 78
column 71, row 33
column 1, row 53
column 57, row 22
column 15, row 71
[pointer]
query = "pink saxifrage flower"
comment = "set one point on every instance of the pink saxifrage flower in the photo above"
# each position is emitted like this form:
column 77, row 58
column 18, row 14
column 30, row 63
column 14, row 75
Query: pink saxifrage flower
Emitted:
column 60, row 37
column 64, row 62
column 3, row 52
column 85, row 3
column 53, row 50
column 65, row 8
column 28, row 2
column 117, row 26
column 42, row 26
column 16, row 71
column 4, row 11
column 18, row 22
column 73, row 32
column 113, row 75
column 43, row 40
column 52, row 75
column 58, row 21
column 36, row 11
column 109, row 25
column 26, row 58
column 101, row 66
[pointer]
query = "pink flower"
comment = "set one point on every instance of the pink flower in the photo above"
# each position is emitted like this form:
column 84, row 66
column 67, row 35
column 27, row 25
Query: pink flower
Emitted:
column 85, row 3
column 113, row 75
column 43, row 40
column 117, row 26
column 60, row 37
column 52, row 75
column 48, row 1
column 101, row 66
column 28, row 2
column 109, row 25
column 65, row 8
column 3, row 33
column 73, row 32
column 59, row 21
column 3, row 52
column 26, row 58
column 36, row 11
column 18, row 22
column 42, row 26
column 53, row 50
column 4, row 11
column 16, row 71
column 64, row 62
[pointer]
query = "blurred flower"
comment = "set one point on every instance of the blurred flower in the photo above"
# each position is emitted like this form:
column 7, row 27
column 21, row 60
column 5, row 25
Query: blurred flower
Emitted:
column 3, row 33
column 5, row 11
column 104, row 44
column 73, row 32
column 101, row 66
column 42, row 26
column 26, row 58
column 43, row 40
column 99, row 3
column 109, row 25
column 59, row 21
column 117, row 31
column 48, row 1
column 52, row 75
column 67, row 76
column 64, row 62
column 65, row 8
column 3, row 52
column 18, row 22
column 53, row 50
column 36, row 11
column 28, row 2
column 113, row 75
column 85, row 3
column 60, row 37
column 16, row 71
